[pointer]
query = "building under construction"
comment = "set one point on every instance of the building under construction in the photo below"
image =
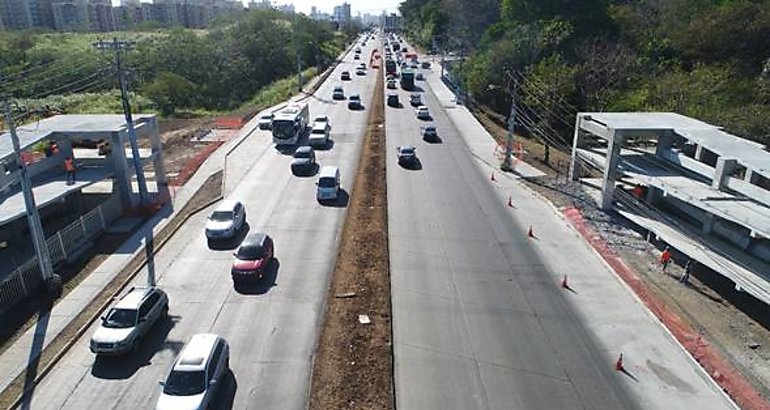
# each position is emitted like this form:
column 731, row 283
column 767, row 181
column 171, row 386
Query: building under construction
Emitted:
column 701, row 190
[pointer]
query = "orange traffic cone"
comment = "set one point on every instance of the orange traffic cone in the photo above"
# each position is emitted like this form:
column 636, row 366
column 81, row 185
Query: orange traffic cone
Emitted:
column 492, row 177
column 619, row 364
column 564, row 283
column 510, row 202
column 530, row 233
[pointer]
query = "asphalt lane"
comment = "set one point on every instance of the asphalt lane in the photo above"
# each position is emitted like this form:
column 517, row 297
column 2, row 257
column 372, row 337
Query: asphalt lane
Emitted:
column 479, row 322
column 272, row 327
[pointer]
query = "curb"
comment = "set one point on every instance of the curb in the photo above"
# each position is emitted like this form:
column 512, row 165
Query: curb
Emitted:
column 724, row 374
column 79, row 333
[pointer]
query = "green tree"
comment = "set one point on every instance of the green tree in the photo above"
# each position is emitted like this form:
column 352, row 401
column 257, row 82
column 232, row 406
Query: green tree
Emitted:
column 170, row 91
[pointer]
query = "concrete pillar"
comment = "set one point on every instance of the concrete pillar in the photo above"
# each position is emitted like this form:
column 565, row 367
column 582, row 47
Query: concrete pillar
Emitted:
column 120, row 168
column 665, row 141
column 724, row 168
column 610, row 168
column 157, row 154
column 577, row 142
column 699, row 152
column 751, row 176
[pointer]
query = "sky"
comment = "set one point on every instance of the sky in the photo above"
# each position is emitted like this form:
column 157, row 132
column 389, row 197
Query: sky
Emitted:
column 327, row 6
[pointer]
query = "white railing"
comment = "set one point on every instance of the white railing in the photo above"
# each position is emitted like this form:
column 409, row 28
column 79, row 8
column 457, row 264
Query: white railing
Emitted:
column 25, row 279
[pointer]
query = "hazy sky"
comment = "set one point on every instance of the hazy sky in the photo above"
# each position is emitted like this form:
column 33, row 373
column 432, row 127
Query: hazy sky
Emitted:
column 363, row 6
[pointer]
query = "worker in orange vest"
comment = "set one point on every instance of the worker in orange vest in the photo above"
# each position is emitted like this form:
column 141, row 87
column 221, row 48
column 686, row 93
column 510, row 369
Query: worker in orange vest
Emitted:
column 665, row 258
column 69, row 166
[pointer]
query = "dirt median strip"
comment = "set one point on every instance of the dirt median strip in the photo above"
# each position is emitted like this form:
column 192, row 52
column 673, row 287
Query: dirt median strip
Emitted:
column 14, row 394
column 353, row 366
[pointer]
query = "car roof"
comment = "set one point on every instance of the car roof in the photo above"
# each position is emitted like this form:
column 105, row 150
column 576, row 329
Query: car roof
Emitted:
column 226, row 205
column 430, row 127
column 254, row 239
column 304, row 148
column 354, row 96
column 321, row 118
column 196, row 352
column 328, row 171
column 133, row 298
column 319, row 125
column 422, row 107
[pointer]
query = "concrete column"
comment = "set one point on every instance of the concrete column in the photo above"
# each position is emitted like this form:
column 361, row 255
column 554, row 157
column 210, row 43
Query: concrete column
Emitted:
column 610, row 168
column 577, row 142
column 725, row 167
column 665, row 140
column 120, row 168
column 699, row 152
column 751, row 176
column 157, row 154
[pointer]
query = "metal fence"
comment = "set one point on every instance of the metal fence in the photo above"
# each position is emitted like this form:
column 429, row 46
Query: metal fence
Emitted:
column 26, row 278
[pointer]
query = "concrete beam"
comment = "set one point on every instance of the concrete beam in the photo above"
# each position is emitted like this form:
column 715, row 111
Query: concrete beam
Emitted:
column 725, row 167
column 575, row 170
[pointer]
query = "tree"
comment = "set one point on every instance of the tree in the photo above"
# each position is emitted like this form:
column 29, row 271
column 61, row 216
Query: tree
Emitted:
column 170, row 91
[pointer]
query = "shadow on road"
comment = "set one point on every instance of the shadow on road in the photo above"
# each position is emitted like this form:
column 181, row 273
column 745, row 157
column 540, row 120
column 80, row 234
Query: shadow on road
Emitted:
column 123, row 367
column 225, row 395
column 264, row 284
column 341, row 202
column 41, row 328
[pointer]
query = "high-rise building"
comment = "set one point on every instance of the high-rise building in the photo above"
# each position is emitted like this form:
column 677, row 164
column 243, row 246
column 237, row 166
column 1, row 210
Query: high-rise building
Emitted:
column 24, row 14
column 100, row 17
column 260, row 5
column 342, row 14
column 70, row 15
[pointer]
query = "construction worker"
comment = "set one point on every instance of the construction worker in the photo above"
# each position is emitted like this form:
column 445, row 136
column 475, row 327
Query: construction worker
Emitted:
column 69, row 167
column 665, row 258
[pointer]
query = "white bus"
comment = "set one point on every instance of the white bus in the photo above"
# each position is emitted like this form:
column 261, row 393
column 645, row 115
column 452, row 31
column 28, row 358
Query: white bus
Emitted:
column 290, row 123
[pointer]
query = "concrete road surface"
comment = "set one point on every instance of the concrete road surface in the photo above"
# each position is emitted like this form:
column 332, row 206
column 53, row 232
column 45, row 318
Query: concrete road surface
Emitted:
column 272, row 327
column 479, row 320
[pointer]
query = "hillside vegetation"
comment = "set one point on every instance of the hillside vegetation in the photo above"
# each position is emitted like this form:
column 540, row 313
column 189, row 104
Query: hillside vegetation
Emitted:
column 709, row 59
column 169, row 71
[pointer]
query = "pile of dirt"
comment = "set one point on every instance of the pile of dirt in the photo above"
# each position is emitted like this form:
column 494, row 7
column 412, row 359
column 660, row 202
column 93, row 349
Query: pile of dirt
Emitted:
column 353, row 367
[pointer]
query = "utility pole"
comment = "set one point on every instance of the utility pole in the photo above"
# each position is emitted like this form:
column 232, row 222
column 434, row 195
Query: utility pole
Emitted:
column 52, row 281
column 119, row 46
column 507, row 166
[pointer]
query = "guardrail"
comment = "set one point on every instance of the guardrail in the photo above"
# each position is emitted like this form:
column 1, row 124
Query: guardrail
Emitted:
column 63, row 245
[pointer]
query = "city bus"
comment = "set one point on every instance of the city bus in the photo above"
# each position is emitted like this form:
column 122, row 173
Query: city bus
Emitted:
column 290, row 124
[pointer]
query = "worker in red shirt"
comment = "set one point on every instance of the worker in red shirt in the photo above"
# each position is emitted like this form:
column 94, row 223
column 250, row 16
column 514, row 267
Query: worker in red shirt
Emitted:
column 69, row 167
column 665, row 258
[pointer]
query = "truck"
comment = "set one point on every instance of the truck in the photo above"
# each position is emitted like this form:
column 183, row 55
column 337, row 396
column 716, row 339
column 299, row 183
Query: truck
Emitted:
column 407, row 79
column 290, row 124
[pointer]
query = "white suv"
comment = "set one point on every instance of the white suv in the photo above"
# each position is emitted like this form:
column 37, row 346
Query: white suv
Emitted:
column 196, row 374
column 124, row 325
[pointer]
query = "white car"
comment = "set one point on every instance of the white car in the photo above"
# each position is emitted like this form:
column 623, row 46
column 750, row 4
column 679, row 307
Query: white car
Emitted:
column 125, row 323
column 423, row 113
column 196, row 374
column 319, row 134
column 266, row 121
column 226, row 220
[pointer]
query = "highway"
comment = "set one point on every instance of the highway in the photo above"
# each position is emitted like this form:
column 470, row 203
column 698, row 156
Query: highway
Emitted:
column 272, row 328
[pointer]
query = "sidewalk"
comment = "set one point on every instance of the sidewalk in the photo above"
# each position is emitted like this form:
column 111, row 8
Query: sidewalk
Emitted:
column 659, row 374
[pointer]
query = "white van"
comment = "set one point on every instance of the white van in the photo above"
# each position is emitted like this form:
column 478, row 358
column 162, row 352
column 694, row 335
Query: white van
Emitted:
column 328, row 184
column 196, row 373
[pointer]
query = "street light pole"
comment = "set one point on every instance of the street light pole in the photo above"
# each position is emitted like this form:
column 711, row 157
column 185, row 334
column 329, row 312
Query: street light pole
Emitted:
column 118, row 46
column 52, row 280
column 507, row 166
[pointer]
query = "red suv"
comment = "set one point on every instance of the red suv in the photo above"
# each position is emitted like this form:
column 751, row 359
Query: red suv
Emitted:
column 253, row 257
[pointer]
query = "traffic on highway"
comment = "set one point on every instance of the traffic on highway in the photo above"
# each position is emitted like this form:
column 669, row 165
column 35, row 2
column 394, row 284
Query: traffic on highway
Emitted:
column 233, row 317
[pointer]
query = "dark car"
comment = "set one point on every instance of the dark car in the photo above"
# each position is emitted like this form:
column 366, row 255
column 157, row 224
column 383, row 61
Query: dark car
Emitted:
column 345, row 76
column 253, row 258
column 354, row 102
column 425, row 64
column 430, row 134
column 407, row 155
column 304, row 160
column 393, row 100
